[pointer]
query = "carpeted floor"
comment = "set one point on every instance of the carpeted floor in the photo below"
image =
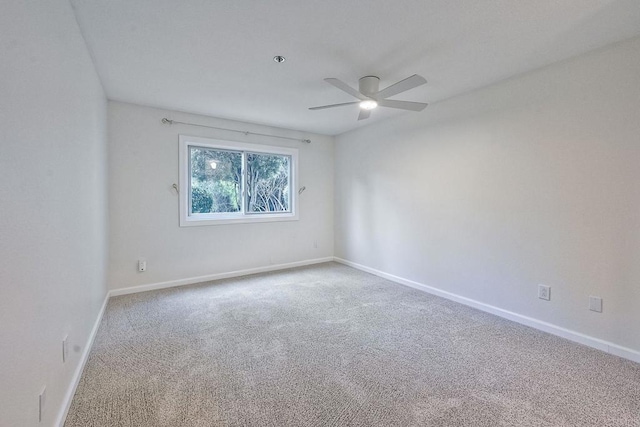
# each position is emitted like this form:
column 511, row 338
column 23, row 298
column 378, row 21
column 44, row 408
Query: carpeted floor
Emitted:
column 328, row 345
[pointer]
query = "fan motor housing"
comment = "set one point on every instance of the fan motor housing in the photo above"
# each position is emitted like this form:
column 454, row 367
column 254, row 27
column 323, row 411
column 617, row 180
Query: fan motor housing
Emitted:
column 369, row 85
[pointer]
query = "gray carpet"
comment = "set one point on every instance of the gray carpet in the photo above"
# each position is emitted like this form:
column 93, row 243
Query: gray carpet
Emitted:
column 328, row 345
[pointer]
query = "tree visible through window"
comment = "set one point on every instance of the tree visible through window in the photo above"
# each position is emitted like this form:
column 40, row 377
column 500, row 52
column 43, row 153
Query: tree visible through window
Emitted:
column 216, row 180
column 225, row 183
column 267, row 183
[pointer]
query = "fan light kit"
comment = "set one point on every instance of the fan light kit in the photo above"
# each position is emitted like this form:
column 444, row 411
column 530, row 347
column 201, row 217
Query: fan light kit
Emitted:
column 369, row 104
column 371, row 97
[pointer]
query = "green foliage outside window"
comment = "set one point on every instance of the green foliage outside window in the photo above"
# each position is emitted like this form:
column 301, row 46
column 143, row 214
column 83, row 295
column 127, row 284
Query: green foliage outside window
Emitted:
column 267, row 183
column 216, row 181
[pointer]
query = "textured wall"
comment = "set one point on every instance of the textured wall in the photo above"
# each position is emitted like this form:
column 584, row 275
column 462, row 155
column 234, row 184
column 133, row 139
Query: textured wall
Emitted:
column 53, row 196
column 533, row 180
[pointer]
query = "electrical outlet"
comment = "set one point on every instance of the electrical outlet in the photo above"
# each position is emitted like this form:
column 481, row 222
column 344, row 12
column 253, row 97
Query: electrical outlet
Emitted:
column 42, row 399
column 142, row 265
column 65, row 349
column 595, row 304
column 544, row 292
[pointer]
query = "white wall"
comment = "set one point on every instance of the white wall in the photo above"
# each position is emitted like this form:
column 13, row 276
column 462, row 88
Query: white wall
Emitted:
column 53, row 246
column 534, row 180
column 144, row 222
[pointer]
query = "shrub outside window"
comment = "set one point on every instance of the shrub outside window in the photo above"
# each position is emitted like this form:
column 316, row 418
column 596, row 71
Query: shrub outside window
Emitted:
column 225, row 182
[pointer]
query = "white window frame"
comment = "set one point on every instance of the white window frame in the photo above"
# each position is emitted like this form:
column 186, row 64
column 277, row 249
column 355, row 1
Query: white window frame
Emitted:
column 187, row 220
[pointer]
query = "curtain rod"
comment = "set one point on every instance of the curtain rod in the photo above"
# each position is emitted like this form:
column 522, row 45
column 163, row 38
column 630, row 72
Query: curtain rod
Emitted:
column 170, row 122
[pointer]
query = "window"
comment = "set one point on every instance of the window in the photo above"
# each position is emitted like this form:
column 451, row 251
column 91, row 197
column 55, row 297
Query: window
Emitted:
column 224, row 182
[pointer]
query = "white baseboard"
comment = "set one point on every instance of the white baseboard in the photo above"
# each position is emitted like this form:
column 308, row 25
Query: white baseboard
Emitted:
column 599, row 344
column 578, row 337
column 217, row 276
column 75, row 380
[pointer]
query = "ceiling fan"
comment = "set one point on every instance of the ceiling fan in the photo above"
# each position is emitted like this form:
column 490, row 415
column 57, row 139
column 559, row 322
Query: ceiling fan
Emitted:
column 371, row 97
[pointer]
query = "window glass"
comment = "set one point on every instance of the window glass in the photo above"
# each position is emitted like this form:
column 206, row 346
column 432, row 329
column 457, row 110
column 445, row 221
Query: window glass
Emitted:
column 216, row 180
column 268, row 183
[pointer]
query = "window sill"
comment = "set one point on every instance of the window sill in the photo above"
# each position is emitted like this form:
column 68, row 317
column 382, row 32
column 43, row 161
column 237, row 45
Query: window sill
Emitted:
column 196, row 222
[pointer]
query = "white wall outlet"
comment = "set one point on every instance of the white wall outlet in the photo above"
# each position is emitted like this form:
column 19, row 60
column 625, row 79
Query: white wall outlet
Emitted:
column 595, row 304
column 544, row 292
column 142, row 265
column 65, row 349
column 42, row 399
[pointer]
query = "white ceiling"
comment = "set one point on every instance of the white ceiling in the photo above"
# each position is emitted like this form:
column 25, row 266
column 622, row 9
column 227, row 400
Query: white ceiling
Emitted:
column 214, row 57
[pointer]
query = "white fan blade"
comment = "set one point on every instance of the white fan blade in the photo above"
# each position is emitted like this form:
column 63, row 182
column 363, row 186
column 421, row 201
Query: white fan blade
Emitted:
column 402, row 86
column 346, row 88
column 322, row 107
column 364, row 114
column 403, row 105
